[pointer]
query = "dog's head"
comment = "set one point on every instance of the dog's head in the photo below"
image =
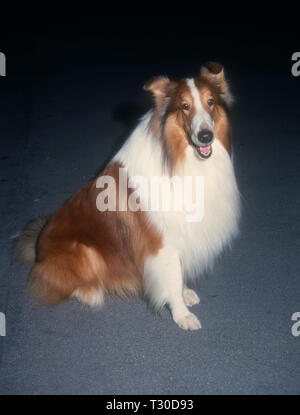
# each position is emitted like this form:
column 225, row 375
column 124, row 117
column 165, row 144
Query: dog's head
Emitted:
column 192, row 111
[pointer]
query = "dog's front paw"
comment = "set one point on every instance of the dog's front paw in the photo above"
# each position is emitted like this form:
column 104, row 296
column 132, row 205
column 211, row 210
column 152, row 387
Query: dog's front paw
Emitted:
column 190, row 297
column 188, row 322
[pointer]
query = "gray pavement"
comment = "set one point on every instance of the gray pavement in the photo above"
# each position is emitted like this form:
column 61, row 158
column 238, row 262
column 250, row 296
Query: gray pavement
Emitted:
column 58, row 127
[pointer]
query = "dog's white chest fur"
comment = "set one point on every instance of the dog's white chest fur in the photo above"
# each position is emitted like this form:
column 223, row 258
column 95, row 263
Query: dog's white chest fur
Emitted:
column 197, row 243
column 200, row 241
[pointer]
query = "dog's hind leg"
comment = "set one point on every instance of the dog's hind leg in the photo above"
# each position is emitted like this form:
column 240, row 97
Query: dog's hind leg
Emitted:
column 74, row 272
column 163, row 284
column 93, row 297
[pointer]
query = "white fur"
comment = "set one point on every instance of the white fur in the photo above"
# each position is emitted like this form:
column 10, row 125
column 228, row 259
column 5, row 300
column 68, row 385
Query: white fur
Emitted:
column 188, row 248
column 190, row 297
column 93, row 298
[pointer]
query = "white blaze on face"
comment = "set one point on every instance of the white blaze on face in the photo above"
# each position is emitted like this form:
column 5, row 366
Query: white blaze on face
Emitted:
column 201, row 119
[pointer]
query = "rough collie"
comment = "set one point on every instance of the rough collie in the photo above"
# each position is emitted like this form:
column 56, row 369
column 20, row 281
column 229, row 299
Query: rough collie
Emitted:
column 91, row 247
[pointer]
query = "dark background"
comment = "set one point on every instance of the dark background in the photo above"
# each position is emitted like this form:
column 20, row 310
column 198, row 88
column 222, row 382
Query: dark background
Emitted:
column 72, row 93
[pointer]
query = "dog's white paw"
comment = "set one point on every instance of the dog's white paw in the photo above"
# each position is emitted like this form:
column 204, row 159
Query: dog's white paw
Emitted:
column 189, row 322
column 190, row 297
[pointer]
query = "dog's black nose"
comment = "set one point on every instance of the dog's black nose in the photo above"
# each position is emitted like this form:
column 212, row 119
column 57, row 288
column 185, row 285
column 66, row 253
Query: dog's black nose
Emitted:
column 205, row 136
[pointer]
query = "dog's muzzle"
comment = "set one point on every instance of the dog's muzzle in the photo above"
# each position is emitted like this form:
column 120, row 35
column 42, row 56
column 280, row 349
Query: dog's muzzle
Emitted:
column 203, row 145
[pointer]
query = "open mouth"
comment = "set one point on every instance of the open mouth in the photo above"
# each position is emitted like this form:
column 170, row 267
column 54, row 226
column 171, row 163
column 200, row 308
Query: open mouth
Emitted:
column 204, row 151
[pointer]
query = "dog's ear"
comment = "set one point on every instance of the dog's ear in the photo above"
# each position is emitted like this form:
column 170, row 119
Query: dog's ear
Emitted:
column 214, row 71
column 159, row 87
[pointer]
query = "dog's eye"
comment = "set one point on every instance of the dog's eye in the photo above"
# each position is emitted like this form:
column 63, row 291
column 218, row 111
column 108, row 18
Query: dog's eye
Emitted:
column 185, row 107
column 210, row 102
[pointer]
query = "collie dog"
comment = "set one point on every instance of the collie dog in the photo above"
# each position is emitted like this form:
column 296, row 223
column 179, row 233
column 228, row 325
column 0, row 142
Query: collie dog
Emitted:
column 90, row 248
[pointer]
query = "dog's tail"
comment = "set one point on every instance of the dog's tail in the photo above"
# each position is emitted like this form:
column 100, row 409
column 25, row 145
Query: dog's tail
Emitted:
column 25, row 242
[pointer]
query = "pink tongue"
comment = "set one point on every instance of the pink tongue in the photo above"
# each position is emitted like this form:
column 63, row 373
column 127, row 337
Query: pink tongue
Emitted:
column 205, row 150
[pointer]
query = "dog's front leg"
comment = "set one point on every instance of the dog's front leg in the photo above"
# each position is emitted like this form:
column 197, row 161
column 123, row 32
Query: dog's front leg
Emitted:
column 190, row 297
column 163, row 284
